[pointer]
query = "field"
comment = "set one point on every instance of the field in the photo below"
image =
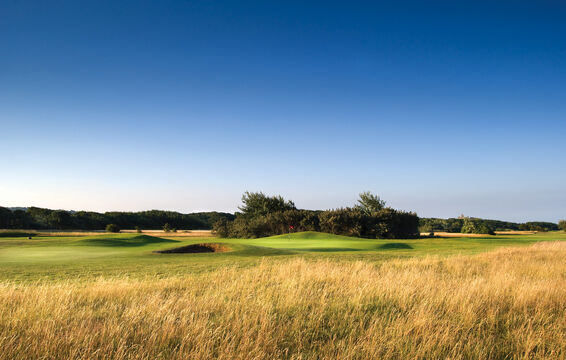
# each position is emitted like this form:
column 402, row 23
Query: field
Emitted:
column 298, row 296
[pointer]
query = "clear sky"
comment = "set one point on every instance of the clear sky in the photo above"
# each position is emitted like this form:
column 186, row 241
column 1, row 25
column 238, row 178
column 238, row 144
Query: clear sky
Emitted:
column 440, row 107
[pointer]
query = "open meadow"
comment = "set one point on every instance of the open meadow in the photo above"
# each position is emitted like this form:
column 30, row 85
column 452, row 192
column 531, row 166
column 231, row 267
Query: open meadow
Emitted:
column 298, row 296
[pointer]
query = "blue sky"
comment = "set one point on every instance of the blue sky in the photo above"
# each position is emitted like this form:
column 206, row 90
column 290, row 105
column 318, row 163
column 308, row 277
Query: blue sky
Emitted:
column 441, row 107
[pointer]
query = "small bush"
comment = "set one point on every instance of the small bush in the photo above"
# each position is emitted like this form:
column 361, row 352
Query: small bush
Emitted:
column 167, row 228
column 138, row 230
column 113, row 228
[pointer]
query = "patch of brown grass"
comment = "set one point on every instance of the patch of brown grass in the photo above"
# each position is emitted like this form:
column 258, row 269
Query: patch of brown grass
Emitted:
column 507, row 304
column 454, row 235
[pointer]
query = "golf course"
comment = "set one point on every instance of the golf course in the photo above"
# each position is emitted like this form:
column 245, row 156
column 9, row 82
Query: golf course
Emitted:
column 136, row 255
column 292, row 296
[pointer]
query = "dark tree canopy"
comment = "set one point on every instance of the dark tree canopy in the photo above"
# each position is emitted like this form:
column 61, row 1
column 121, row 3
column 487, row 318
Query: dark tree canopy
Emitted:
column 476, row 226
column 38, row 218
column 259, row 204
column 265, row 216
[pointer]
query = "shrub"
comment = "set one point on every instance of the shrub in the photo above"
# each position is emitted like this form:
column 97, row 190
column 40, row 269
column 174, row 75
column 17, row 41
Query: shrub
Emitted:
column 167, row 228
column 113, row 228
column 476, row 226
column 345, row 221
column 267, row 216
column 138, row 230
column 562, row 225
column 222, row 228
column 386, row 223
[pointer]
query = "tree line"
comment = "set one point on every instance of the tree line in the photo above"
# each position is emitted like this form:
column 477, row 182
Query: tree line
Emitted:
column 261, row 215
column 39, row 218
column 472, row 225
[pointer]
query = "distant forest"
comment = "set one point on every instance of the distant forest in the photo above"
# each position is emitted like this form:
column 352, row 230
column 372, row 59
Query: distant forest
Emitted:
column 38, row 218
column 341, row 221
column 482, row 226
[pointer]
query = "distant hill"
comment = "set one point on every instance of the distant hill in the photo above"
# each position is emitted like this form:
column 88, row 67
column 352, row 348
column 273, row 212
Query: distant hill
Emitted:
column 39, row 218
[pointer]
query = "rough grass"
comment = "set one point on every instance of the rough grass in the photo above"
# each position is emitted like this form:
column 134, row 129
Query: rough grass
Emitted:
column 505, row 304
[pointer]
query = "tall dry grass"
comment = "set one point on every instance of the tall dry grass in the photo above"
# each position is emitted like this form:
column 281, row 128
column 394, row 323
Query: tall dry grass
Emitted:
column 508, row 304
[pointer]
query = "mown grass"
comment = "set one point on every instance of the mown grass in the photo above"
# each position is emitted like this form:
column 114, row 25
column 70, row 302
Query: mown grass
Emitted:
column 506, row 304
column 131, row 255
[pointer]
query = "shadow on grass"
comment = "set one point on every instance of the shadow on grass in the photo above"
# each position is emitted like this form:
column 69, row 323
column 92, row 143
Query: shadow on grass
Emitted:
column 140, row 240
column 195, row 249
column 394, row 246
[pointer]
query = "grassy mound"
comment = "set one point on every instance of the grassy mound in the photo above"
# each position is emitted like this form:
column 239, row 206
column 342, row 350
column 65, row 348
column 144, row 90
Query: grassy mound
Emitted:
column 312, row 235
column 122, row 240
column 195, row 248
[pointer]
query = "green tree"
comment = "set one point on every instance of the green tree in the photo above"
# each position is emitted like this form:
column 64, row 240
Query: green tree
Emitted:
column 222, row 228
column 167, row 228
column 369, row 203
column 476, row 226
column 60, row 219
column 562, row 225
column 258, row 204
column 113, row 228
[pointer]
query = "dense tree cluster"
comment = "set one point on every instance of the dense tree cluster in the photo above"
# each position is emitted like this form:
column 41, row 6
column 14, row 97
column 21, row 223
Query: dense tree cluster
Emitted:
column 38, row 218
column 480, row 226
column 263, row 215
column 562, row 225
column 539, row 226
column 477, row 226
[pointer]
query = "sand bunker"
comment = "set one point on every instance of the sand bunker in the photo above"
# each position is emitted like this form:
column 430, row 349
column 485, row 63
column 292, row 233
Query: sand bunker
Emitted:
column 196, row 248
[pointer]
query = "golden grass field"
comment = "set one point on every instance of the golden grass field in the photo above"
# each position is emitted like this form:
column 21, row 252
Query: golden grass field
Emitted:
column 505, row 304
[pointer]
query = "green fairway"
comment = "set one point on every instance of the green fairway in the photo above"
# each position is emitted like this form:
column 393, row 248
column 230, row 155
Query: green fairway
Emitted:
column 132, row 255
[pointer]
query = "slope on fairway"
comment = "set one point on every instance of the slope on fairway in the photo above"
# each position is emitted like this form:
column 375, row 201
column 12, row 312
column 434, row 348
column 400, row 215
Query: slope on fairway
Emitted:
column 315, row 242
column 122, row 240
column 311, row 241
